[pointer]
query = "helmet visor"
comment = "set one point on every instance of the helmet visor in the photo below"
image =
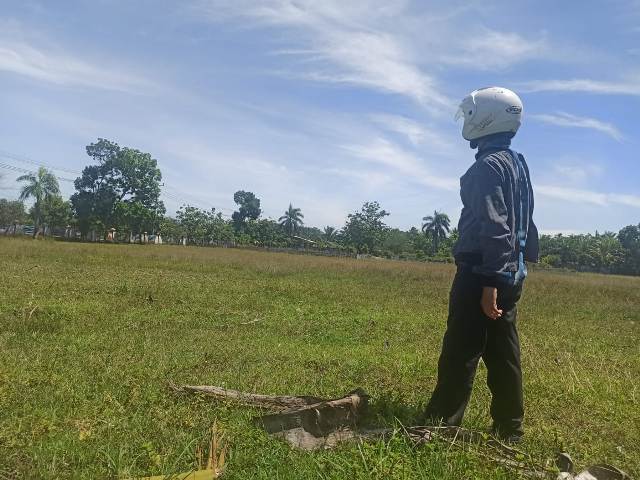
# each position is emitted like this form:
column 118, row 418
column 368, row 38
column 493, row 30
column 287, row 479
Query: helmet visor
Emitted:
column 466, row 109
column 459, row 114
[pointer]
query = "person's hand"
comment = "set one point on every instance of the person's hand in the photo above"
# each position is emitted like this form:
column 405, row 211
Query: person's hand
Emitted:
column 489, row 303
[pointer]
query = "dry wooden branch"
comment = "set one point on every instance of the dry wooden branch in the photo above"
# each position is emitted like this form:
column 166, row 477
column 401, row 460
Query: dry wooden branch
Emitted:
column 273, row 402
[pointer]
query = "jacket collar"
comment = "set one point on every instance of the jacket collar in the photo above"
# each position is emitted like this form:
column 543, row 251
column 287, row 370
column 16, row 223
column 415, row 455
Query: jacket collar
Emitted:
column 496, row 141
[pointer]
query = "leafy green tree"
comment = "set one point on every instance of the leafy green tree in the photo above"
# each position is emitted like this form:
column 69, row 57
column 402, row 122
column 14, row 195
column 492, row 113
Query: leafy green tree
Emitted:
column 436, row 225
column 170, row 229
column 133, row 216
column 39, row 186
column 421, row 244
column 291, row 220
column 445, row 249
column 397, row 242
column 56, row 212
column 122, row 190
column 12, row 212
column 266, row 233
column 219, row 229
column 330, row 233
column 629, row 237
column 249, row 208
column 365, row 230
column 194, row 223
column 605, row 253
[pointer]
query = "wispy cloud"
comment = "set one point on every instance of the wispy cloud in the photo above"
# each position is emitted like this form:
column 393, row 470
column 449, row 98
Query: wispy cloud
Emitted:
column 631, row 87
column 341, row 43
column 563, row 119
column 383, row 152
column 437, row 139
column 577, row 173
column 588, row 196
column 61, row 68
column 496, row 49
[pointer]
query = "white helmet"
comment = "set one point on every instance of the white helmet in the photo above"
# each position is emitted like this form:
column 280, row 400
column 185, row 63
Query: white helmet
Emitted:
column 490, row 110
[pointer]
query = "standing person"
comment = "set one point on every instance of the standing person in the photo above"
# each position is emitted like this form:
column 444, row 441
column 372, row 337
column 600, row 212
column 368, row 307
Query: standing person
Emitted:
column 497, row 236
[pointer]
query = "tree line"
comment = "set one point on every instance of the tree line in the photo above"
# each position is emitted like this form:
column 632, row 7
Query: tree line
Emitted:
column 120, row 190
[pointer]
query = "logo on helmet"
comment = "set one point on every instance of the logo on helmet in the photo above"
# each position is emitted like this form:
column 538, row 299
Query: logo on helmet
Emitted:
column 515, row 109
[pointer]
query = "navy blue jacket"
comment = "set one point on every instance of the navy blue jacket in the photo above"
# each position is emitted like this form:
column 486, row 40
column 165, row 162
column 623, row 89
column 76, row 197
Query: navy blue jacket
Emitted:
column 489, row 218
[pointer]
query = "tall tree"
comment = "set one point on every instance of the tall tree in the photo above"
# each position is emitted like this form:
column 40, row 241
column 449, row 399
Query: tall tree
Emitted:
column 249, row 208
column 365, row 230
column 291, row 220
column 122, row 190
column 40, row 186
column 436, row 225
column 629, row 237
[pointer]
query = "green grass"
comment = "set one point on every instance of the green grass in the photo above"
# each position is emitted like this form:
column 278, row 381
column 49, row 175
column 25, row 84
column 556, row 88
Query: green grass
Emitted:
column 91, row 334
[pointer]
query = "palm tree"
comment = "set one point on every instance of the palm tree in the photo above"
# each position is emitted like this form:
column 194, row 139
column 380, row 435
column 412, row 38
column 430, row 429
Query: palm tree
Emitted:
column 41, row 186
column 437, row 225
column 291, row 219
column 329, row 233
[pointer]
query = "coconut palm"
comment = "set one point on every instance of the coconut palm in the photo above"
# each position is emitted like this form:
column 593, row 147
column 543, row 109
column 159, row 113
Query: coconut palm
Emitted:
column 291, row 219
column 40, row 186
column 436, row 225
column 329, row 233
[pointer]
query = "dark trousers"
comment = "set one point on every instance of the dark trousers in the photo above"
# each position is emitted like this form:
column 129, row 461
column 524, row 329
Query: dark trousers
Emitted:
column 470, row 336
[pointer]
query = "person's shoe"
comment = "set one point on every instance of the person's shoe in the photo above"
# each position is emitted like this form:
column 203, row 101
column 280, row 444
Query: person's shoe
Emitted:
column 512, row 439
column 427, row 419
column 508, row 438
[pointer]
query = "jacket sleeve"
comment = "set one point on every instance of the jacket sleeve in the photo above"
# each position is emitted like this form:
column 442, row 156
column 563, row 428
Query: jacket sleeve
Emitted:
column 489, row 208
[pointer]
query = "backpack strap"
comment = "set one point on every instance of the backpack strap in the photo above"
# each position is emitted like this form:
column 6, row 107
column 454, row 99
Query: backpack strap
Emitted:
column 523, row 211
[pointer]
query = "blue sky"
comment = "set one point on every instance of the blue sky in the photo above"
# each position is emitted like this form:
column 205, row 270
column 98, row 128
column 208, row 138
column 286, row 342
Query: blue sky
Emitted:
column 327, row 104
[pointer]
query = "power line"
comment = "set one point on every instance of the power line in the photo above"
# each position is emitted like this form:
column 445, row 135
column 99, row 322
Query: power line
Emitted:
column 23, row 159
column 16, row 169
column 197, row 199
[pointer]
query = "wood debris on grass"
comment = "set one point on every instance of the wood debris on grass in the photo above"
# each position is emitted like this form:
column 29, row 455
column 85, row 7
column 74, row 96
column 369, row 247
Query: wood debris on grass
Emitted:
column 311, row 423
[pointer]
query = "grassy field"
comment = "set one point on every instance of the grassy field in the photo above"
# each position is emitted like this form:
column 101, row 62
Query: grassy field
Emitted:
column 91, row 334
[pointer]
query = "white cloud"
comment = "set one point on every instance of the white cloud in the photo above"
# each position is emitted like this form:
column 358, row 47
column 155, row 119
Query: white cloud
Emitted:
column 576, row 195
column 415, row 132
column 61, row 68
column 631, row 87
column 563, row 119
column 577, row 173
column 383, row 152
column 391, row 47
column 487, row 49
column 342, row 42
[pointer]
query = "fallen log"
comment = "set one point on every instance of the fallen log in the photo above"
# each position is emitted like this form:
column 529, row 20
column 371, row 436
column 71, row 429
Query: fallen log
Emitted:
column 311, row 423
